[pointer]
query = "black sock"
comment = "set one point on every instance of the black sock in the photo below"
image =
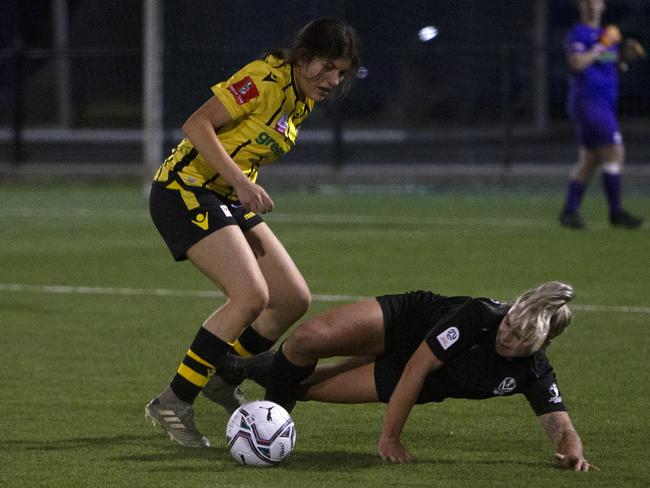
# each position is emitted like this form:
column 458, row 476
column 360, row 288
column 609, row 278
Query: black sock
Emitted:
column 250, row 342
column 198, row 365
column 284, row 379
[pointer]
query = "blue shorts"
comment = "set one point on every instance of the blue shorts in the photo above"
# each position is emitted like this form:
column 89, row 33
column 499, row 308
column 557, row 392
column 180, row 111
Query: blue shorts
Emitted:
column 595, row 122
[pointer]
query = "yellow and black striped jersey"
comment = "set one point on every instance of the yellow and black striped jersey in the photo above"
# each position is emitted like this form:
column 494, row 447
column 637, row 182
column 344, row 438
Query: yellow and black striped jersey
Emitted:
column 266, row 111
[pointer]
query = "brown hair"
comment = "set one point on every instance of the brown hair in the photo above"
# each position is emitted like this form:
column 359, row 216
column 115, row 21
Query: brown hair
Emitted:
column 325, row 38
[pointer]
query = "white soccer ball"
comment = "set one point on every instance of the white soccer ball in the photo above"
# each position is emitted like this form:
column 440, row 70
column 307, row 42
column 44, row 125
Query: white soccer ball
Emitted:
column 260, row 433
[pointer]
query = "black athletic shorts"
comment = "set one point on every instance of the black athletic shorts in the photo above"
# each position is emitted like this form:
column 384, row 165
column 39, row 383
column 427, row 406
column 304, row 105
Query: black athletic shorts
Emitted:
column 184, row 217
column 407, row 320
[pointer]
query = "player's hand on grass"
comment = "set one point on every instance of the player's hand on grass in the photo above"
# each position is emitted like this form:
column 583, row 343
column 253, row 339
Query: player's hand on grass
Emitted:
column 391, row 449
column 254, row 197
column 577, row 463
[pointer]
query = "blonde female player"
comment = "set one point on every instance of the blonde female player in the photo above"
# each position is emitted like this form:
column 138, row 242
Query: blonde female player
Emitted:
column 205, row 203
column 422, row 347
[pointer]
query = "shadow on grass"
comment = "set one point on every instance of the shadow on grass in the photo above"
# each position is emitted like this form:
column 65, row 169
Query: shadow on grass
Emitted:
column 170, row 454
column 74, row 443
column 313, row 461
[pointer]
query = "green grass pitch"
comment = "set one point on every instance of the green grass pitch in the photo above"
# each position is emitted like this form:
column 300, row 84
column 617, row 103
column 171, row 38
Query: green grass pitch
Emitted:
column 95, row 316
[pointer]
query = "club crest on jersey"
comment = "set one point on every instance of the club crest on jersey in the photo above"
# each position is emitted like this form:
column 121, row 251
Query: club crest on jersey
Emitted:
column 507, row 385
column 448, row 337
column 555, row 394
column 244, row 90
column 282, row 124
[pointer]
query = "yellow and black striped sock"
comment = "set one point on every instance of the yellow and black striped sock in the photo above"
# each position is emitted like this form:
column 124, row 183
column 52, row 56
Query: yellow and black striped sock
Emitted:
column 250, row 342
column 198, row 365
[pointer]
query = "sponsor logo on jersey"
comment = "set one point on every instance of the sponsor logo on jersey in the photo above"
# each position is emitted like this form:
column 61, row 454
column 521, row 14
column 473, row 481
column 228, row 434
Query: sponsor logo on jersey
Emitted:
column 448, row 337
column 244, row 90
column 507, row 385
column 266, row 140
column 225, row 210
column 555, row 394
column 282, row 124
column 201, row 220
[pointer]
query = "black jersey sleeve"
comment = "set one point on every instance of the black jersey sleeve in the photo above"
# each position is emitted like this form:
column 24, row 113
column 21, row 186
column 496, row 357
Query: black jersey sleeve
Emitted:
column 544, row 395
column 458, row 331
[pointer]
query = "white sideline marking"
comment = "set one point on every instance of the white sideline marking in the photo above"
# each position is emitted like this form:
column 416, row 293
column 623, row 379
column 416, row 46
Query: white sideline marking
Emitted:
column 28, row 212
column 163, row 292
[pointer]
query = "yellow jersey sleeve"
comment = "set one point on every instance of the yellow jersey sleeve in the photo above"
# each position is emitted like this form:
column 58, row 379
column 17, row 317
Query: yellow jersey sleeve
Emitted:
column 242, row 93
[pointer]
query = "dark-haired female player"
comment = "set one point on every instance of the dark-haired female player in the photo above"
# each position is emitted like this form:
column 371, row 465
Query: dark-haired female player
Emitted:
column 206, row 203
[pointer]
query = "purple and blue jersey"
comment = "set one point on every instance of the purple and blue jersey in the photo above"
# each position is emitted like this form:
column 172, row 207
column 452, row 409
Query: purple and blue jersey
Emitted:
column 593, row 92
column 601, row 78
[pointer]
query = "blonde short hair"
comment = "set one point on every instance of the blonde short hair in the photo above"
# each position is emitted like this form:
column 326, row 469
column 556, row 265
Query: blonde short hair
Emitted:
column 541, row 313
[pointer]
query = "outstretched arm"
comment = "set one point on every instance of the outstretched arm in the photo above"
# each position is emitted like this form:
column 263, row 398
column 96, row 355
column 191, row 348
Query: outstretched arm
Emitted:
column 565, row 440
column 401, row 402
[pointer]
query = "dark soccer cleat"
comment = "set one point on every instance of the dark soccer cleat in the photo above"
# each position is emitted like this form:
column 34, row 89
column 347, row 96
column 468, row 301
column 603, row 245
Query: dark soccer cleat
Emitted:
column 235, row 369
column 229, row 396
column 625, row 220
column 572, row 220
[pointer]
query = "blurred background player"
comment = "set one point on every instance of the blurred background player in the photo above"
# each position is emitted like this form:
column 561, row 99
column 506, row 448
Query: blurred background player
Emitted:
column 594, row 58
column 422, row 347
column 205, row 203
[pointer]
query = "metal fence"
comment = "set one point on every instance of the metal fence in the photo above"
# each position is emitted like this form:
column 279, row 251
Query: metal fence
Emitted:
column 490, row 88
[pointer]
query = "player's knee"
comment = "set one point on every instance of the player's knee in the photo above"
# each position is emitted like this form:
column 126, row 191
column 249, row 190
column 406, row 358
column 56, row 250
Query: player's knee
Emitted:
column 310, row 338
column 252, row 303
column 294, row 302
column 300, row 301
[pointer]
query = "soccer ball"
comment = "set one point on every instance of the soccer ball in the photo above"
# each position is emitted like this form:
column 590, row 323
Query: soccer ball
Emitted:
column 260, row 433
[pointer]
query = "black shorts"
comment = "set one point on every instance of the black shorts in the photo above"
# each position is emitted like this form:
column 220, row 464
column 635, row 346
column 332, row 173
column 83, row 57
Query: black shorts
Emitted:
column 407, row 320
column 184, row 218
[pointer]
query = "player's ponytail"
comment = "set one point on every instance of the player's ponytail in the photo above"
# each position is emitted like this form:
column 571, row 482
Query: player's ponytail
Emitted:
column 542, row 313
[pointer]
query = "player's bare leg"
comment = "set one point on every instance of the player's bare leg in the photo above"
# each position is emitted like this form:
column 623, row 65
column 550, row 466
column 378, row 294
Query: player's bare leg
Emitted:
column 351, row 330
column 228, row 261
column 289, row 299
column 356, row 385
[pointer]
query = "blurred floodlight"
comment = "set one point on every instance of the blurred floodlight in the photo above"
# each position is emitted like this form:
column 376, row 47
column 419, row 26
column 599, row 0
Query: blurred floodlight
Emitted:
column 362, row 72
column 427, row 33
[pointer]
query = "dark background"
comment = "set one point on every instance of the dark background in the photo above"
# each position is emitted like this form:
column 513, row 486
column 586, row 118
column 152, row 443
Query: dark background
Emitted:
column 475, row 76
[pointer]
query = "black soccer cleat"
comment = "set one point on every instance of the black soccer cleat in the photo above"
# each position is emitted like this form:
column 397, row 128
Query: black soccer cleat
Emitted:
column 235, row 369
column 625, row 220
column 572, row 220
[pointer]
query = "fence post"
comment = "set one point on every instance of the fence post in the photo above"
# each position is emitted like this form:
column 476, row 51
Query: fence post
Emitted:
column 152, row 88
column 18, row 115
column 506, row 106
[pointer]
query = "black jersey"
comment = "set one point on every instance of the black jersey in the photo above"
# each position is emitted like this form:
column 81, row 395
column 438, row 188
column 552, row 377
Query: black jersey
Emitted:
column 461, row 332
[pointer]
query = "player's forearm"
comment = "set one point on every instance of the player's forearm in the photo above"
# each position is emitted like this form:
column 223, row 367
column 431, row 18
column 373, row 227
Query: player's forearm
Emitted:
column 581, row 61
column 569, row 444
column 401, row 404
column 204, row 138
column 563, row 436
